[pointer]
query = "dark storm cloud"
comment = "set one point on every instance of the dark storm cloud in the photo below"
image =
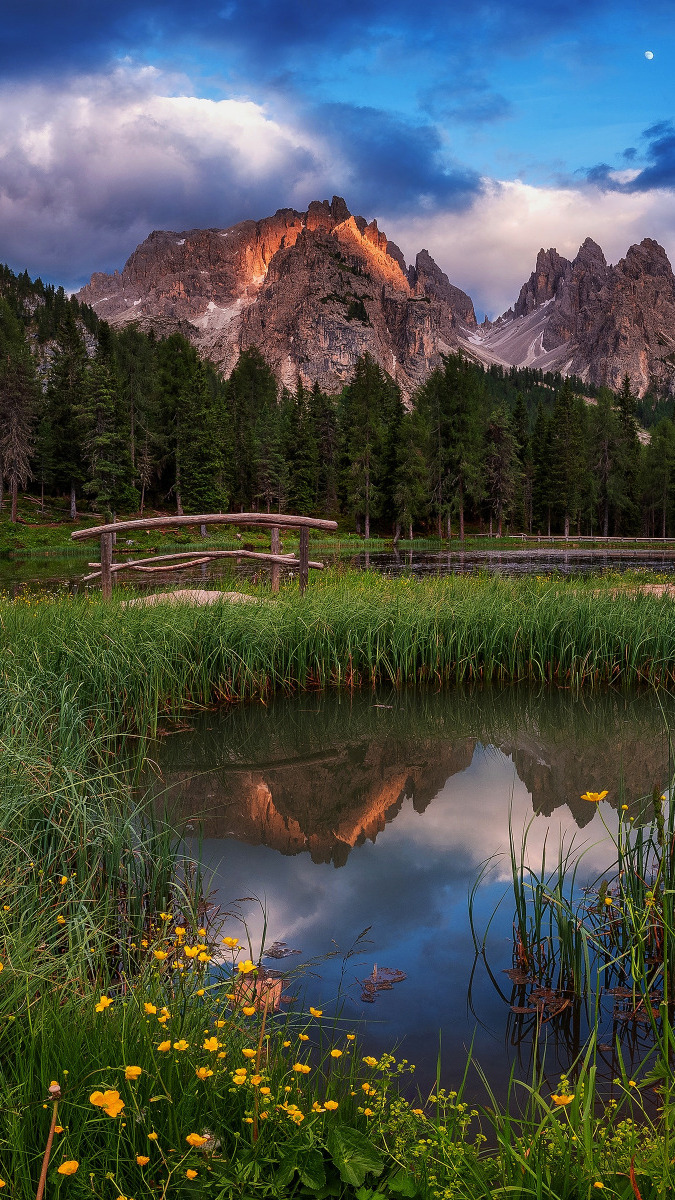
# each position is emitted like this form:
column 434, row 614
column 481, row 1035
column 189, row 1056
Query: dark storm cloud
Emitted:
column 657, row 156
column 393, row 161
column 41, row 35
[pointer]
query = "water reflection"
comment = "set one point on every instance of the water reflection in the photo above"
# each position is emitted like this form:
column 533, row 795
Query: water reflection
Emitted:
column 407, row 794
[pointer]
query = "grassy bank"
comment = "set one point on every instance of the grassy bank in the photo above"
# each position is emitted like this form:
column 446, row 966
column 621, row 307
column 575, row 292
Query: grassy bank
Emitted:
column 146, row 1030
column 352, row 629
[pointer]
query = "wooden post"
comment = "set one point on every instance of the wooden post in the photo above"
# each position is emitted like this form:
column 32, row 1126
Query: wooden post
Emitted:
column 106, row 565
column 304, row 558
column 275, row 548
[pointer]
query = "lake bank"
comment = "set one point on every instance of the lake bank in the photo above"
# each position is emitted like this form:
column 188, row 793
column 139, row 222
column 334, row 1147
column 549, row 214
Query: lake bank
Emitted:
column 81, row 683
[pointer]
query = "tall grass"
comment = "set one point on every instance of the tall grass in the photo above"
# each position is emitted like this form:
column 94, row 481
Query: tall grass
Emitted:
column 86, row 876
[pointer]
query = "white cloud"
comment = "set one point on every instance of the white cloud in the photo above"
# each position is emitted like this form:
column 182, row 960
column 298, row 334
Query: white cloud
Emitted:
column 88, row 170
column 490, row 249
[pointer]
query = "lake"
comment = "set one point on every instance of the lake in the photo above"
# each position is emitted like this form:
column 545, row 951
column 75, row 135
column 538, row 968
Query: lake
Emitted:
column 341, row 812
column 53, row 572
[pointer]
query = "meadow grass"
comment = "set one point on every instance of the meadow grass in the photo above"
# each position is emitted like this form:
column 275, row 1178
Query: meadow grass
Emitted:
column 117, row 991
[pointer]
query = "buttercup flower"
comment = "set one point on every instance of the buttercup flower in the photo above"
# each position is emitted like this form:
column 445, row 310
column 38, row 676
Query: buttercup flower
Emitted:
column 231, row 942
column 203, row 1072
column 316, row 1012
column 132, row 1072
column 142, row 1160
column 61, row 920
column 160, row 955
column 303, row 1037
column 190, row 1174
column 110, row 1101
column 301, row 1068
column 212, row 1043
column 370, row 1061
column 152, row 1137
column 164, row 1046
column 248, row 1010
column 196, row 1139
column 150, row 1008
column 69, row 1167
column 330, row 1105
column 351, row 1037
column 246, row 966
column 336, row 1054
column 192, row 951
column 63, row 879
column 181, row 1045
column 248, row 1053
column 103, row 1003
column 594, row 797
column 561, row 1101
column 204, row 958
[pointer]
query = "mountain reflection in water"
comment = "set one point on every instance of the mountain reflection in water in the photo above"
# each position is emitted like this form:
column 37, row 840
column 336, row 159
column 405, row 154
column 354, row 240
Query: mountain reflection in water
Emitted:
column 407, row 794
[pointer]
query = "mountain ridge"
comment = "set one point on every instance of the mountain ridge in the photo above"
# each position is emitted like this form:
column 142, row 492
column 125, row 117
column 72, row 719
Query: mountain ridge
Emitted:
column 315, row 290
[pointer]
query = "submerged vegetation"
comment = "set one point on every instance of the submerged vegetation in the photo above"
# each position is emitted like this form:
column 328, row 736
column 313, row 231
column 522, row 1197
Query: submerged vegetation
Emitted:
column 135, row 1047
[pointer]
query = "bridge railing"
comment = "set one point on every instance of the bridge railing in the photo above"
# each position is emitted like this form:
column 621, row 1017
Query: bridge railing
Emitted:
column 273, row 521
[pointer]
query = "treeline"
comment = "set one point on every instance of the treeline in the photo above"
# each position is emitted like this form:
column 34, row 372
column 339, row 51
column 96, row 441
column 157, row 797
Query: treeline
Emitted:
column 114, row 420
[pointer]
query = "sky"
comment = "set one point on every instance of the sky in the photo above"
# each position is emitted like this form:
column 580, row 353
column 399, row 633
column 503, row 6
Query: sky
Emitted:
column 477, row 129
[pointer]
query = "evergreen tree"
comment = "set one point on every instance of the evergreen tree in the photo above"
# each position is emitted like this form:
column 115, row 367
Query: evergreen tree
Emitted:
column 202, row 446
column 411, row 480
column 323, row 415
column 370, row 395
column 18, row 399
column 250, row 389
column 106, row 445
column 302, row 454
column 628, row 459
column 568, row 452
column 501, row 465
column 60, row 447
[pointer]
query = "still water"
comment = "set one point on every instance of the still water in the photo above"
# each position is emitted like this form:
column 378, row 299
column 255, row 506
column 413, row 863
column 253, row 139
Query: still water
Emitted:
column 54, row 573
column 341, row 812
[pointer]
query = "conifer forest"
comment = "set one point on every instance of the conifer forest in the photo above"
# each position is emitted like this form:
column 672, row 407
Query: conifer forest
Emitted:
column 116, row 420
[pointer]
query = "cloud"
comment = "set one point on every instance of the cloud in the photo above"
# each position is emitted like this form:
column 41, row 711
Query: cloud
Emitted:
column 392, row 158
column 88, row 171
column 264, row 32
column 490, row 248
column 657, row 155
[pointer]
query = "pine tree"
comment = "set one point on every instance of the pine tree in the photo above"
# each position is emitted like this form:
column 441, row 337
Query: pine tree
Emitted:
column 60, row 447
column 18, row 400
column 569, row 458
column 250, row 389
column 370, row 395
column 501, row 465
column 106, row 444
column 411, row 479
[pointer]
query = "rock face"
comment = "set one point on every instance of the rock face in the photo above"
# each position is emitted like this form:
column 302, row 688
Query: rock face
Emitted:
column 312, row 291
column 590, row 319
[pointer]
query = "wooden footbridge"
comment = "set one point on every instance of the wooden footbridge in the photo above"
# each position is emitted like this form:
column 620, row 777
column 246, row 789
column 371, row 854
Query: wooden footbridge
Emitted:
column 275, row 522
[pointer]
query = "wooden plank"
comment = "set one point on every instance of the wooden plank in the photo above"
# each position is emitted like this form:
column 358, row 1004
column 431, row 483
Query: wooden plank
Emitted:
column 106, row 565
column 192, row 562
column 266, row 520
column 285, row 560
column 304, row 559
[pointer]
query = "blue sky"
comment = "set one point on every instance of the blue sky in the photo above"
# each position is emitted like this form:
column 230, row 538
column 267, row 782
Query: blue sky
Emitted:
column 478, row 130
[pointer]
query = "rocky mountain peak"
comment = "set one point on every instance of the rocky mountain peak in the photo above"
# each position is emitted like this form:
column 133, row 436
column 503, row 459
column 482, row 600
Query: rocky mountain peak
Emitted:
column 543, row 284
column 590, row 253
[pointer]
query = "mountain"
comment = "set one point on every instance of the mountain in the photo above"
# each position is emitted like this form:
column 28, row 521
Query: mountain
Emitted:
column 313, row 291
column 590, row 319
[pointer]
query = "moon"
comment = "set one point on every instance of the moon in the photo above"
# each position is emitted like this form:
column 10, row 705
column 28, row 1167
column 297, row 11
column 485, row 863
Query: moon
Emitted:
column 648, row 54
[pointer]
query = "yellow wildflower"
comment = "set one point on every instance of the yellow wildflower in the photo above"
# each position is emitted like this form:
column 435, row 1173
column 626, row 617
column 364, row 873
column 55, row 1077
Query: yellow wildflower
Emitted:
column 368, row 1112
column 192, row 951
column 594, row 797
column 203, row 1072
column 212, row 1043
column 248, row 1053
column 336, row 1054
column 303, row 1037
column 164, row 1046
column 196, row 1139
column 351, row 1037
column 330, row 1105
column 205, row 958
column 190, row 1174
column 246, row 966
column 103, row 1003
column 132, row 1072
column 69, row 1167
column 219, row 1024
column 561, row 1101
column 179, row 931
column 301, row 1068
column 142, row 1160
column 152, row 1137
column 316, row 1012
column 248, row 1010
column 231, row 942
column 150, row 1008
column 64, row 879
column 370, row 1061
column 200, row 991
column 181, row 1045
column 160, row 955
